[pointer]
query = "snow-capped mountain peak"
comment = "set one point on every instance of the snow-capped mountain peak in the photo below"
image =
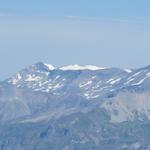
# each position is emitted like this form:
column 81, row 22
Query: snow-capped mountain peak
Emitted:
column 95, row 83
column 42, row 66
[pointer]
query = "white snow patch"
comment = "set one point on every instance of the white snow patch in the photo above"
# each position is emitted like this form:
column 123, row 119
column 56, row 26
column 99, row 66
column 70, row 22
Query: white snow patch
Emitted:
column 134, row 75
column 128, row 70
column 57, row 86
column 130, row 80
column 140, row 82
column 15, row 79
column 91, row 96
column 115, row 81
column 93, row 77
column 104, row 87
column 85, row 84
column 110, row 80
column 19, row 76
column 148, row 74
column 77, row 67
column 50, row 67
column 96, row 86
column 57, row 77
column 31, row 78
column 95, row 96
column 86, row 95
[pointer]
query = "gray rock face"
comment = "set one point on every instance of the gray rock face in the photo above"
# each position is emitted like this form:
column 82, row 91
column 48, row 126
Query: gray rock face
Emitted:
column 90, row 108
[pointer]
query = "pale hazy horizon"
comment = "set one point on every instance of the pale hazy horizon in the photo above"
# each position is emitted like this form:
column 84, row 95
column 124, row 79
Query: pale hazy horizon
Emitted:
column 106, row 34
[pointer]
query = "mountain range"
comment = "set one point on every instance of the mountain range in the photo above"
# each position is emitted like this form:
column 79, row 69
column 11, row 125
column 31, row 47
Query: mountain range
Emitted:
column 75, row 108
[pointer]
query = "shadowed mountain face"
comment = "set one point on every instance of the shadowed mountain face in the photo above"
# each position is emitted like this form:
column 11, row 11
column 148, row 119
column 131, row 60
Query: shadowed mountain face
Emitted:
column 75, row 107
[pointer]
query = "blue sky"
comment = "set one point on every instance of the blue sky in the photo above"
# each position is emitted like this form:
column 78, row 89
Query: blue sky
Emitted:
column 99, row 32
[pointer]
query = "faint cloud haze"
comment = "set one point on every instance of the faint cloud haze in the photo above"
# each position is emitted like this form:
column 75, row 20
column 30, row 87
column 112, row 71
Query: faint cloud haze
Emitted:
column 106, row 19
column 65, row 32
